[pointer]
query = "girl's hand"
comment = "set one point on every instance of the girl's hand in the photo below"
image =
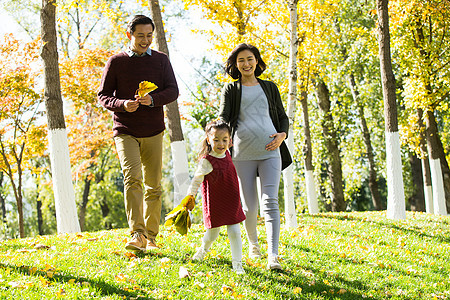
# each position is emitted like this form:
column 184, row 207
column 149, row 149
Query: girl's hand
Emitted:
column 130, row 105
column 278, row 138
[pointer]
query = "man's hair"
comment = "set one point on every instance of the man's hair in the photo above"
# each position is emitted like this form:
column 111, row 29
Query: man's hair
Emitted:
column 137, row 20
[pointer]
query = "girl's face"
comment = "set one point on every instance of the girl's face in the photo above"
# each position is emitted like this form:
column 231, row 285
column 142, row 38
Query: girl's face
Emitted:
column 246, row 63
column 219, row 139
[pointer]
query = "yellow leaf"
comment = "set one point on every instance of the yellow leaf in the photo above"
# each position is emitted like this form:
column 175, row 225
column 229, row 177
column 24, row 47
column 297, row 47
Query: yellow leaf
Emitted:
column 146, row 87
column 297, row 290
column 130, row 254
column 61, row 293
column 226, row 289
column 71, row 281
column 44, row 281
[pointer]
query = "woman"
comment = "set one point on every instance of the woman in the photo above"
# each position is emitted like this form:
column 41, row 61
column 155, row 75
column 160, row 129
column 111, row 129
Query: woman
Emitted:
column 254, row 110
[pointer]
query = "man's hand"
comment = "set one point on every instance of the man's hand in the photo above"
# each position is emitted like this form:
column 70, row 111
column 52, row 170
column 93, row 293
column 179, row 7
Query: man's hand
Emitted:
column 146, row 100
column 278, row 138
column 130, row 105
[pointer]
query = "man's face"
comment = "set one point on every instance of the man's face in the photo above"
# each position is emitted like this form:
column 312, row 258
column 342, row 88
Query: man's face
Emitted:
column 141, row 38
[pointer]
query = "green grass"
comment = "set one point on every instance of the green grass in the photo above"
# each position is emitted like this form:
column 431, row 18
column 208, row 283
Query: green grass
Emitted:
column 359, row 255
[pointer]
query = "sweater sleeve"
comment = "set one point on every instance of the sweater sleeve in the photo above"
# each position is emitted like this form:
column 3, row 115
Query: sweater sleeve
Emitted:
column 225, row 103
column 108, row 86
column 204, row 167
column 169, row 92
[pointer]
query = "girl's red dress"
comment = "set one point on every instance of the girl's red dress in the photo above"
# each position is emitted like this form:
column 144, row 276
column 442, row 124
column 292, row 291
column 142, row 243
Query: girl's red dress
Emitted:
column 220, row 192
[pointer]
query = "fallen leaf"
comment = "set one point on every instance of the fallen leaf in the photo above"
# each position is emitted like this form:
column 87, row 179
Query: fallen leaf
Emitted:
column 130, row 254
column 297, row 290
column 183, row 273
column 41, row 247
column 226, row 289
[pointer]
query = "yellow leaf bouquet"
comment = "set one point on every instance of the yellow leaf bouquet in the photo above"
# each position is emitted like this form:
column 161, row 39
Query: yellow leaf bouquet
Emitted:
column 146, row 87
column 179, row 217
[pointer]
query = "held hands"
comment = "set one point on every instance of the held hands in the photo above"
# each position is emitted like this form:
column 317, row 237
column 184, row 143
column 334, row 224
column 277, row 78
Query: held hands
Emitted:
column 278, row 138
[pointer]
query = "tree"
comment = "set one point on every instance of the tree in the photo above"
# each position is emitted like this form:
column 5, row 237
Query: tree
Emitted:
column 289, row 201
column 396, row 195
column 87, row 122
column 66, row 214
column 421, row 33
column 179, row 155
column 332, row 145
column 19, row 109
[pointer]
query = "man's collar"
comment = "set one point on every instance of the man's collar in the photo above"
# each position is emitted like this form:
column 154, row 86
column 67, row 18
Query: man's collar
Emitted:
column 131, row 53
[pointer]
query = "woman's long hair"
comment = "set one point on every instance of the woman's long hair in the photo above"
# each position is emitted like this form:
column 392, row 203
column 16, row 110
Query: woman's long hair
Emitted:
column 231, row 63
column 205, row 147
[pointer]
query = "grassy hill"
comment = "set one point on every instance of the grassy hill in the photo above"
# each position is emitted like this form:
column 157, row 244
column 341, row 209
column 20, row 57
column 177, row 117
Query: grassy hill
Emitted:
column 358, row 255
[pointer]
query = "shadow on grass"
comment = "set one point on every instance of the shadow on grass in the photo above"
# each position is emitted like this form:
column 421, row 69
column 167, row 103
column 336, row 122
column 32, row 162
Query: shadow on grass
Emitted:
column 351, row 262
column 106, row 289
column 384, row 223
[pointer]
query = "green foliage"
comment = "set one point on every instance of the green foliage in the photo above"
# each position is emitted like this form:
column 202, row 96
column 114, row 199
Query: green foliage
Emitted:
column 329, row 256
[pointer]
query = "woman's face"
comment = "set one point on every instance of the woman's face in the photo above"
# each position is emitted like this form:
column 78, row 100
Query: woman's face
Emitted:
column 246, row 63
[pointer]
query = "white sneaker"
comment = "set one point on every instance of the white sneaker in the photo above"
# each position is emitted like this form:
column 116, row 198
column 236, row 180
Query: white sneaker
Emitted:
column 273, row 263
column 254, row 251
column 200, row 254
column 237, row 267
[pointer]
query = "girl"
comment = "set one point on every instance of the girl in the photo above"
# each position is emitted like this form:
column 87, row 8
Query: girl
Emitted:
column 254, row 110
column 220, row 192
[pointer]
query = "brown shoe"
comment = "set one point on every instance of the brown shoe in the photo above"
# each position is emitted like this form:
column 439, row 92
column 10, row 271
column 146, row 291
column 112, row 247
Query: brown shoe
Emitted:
column 151, row 244
column 137, row 242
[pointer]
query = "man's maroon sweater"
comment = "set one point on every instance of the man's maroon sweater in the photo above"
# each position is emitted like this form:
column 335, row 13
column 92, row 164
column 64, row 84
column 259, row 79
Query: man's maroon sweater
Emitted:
column 121, row 78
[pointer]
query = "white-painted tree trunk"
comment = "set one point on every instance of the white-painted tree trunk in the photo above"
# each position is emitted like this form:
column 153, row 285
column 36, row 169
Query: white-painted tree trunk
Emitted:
column 290, row 214
column 437, row 183
column 181, row 179
column 311, row 194
column 427, row 191
column 66, row 210
column 396, row 195
column 289, row 202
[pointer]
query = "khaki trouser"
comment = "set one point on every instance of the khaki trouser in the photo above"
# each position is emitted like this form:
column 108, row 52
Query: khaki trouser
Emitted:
column 141, row 162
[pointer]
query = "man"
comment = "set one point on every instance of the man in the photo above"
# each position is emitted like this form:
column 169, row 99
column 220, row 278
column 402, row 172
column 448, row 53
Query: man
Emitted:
column 138, row 126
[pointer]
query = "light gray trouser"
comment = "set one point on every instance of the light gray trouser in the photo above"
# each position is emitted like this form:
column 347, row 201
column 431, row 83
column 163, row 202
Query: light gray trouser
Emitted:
column 234, row 235
column 269, row 171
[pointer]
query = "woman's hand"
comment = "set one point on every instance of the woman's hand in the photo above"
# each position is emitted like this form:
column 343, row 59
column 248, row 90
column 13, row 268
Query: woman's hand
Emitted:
column 278, row 138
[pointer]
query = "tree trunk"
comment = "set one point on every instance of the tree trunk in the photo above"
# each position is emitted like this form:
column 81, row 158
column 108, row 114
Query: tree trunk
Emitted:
column 84, row 202
column 311, row 192
column 437, row 158
column 289, row 201
column 417, row 199
column 105, row 212
column 396, row 194
column 179, row 155
column 332, row 146
column 2, row 198
column 427, row 187
column 40, row 220
column 373, row 182
column 66, row 213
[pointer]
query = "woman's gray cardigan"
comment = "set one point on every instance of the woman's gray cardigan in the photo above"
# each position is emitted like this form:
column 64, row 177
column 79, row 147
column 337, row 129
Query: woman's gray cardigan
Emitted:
column 230, row 104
